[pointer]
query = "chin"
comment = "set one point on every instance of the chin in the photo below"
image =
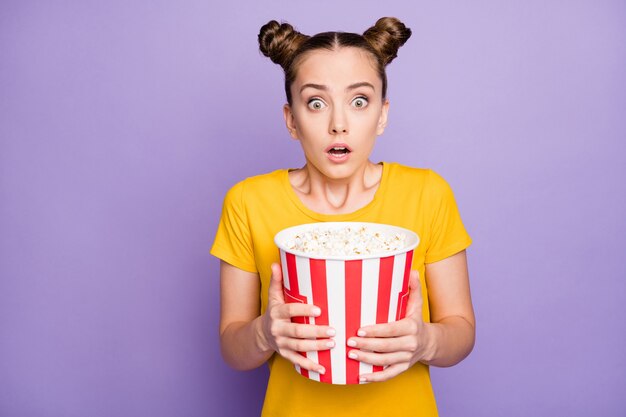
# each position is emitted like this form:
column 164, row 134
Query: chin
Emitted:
column 339, row 172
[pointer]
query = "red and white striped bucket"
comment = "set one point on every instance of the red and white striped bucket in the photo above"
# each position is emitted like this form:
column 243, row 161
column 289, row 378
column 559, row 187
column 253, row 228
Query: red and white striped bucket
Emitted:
column 351, row 291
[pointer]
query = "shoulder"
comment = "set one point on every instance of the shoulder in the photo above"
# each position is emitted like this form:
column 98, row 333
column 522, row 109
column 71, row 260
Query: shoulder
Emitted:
column 420, row 178
column 258, row 183
column 254, row 190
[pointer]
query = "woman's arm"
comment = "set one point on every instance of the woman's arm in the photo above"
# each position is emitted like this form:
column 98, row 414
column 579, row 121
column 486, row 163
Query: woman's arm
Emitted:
column 445, row 341
column 239, row 319
column 451, row 313
column 249, row 339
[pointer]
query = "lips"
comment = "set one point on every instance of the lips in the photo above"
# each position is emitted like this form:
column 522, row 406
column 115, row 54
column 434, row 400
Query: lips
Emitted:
column 338, row 153
column 338, row 149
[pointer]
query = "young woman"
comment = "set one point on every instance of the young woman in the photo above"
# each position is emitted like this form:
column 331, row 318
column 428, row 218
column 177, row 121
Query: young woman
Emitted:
column 336, row 85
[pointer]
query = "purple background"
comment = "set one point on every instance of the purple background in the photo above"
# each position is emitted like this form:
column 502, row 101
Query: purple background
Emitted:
column 122, row 125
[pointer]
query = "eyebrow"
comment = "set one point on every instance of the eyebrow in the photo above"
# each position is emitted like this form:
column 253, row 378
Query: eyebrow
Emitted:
column 325, row 88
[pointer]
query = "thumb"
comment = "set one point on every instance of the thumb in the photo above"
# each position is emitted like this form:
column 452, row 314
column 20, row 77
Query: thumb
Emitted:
column 275, row 292
column 414, row 304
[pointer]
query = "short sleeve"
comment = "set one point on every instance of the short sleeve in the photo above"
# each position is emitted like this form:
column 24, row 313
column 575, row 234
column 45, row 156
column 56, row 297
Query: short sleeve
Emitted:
column 233, row 243
column 448, row 235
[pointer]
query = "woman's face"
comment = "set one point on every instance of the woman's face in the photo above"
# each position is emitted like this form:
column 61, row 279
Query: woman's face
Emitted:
column 337, row 110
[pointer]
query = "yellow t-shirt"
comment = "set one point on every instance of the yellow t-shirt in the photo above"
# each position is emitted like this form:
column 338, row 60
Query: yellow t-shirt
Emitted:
column 259, row 207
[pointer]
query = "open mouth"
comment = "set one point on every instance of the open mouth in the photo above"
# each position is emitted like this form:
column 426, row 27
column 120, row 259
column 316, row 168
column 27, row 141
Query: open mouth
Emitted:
column 338, row 151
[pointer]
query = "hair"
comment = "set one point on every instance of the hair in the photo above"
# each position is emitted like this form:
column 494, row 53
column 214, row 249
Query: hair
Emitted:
column 286, row 47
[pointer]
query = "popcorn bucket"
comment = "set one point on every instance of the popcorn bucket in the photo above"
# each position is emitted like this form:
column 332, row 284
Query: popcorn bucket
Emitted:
column 352, row 290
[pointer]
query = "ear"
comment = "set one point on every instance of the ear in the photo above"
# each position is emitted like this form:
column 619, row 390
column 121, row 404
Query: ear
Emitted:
column 290, row 121
column 382, row 120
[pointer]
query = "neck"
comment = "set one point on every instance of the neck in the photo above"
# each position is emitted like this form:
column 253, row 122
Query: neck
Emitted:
column 336, row 196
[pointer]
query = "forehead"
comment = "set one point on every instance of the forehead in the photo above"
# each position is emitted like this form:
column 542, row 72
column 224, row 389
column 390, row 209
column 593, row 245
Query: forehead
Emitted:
column 340, row 66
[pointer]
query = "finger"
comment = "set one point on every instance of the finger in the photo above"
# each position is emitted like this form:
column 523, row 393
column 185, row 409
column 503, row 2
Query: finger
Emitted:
column 415, row 301
column 275, row 292
column 385, row 374
column 382, row 345
column 305, row 345
column 304, row 331
column 398, row 328
column 303, row 362
column 289, row 310
column 380, row 359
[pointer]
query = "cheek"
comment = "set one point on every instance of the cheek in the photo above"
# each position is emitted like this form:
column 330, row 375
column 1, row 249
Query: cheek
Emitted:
column 369, row 122
column 310, row 124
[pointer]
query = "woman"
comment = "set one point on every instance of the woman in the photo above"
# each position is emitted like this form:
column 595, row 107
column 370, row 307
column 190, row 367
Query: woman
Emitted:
column 336, row 86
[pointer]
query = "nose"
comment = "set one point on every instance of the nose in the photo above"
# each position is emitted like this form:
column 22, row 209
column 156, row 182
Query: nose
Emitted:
column 338, row 122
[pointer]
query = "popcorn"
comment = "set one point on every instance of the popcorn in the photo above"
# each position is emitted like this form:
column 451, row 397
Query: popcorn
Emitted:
column 357, row 273
column 346, row 241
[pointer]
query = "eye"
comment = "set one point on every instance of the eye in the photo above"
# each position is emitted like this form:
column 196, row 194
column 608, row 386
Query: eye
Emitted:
column 360, row 102
column 316, row 104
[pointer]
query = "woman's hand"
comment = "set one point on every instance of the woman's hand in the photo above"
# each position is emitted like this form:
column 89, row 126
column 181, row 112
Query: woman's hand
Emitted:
column 396, row 345
column 445, row 341
column 279, row 334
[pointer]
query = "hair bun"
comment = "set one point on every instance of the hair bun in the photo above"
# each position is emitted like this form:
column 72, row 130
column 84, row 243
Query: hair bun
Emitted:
column 279, row 41
column 386, row 37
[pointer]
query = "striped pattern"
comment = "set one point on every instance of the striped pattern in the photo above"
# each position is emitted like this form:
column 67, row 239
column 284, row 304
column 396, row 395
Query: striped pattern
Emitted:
column 351, row 294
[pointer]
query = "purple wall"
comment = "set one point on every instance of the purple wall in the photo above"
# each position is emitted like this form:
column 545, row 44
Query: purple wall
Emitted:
column 122, row 124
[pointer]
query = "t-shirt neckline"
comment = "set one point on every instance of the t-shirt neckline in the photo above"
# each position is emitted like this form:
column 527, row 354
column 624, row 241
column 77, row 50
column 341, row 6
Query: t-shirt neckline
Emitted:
column 378, row 197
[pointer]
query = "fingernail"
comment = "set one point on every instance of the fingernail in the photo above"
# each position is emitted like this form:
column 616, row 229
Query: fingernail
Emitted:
column 352, row 355
column 321, row 371
column 317, row 311
column 360, row 333
column 351, row 343
column 331, row 332
column 330, row 343
column 362, row 379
